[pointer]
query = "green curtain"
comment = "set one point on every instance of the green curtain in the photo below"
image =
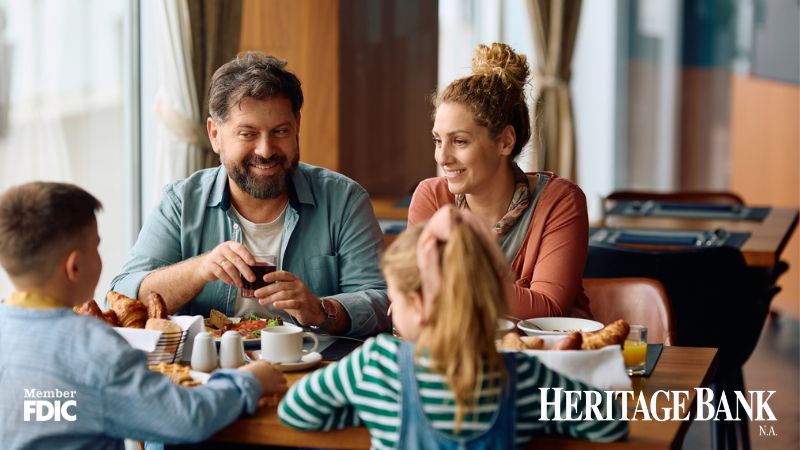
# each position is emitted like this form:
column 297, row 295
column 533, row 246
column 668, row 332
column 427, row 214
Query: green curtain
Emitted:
column 554, row 25
column 215, row 29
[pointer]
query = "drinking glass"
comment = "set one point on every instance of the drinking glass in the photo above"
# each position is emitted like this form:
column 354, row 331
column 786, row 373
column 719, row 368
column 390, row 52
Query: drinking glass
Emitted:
column 264, row 264
column 635, row 350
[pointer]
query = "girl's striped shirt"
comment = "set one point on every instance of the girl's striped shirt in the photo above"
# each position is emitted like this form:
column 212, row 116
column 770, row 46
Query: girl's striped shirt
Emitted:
column 364, row 389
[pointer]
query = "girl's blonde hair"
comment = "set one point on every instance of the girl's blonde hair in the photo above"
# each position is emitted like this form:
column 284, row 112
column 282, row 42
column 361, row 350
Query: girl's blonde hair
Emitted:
column 459, row 332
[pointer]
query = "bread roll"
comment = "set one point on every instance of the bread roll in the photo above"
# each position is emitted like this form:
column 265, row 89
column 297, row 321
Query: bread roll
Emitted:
column 170, row 331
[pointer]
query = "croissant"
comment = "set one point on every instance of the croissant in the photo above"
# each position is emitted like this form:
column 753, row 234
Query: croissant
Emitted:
column 512, row 341
column 131, row 313
column 89, row 308
column 572, row 341
column 613, row 334
column 111, row 318
column 156, row 308
column 533, row 342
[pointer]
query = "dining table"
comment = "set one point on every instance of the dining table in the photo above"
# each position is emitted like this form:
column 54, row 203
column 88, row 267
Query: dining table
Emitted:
column 677, row 369
column 763, row 247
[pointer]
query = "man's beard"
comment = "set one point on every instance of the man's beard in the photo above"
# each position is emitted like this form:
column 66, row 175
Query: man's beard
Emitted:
column 262, row 186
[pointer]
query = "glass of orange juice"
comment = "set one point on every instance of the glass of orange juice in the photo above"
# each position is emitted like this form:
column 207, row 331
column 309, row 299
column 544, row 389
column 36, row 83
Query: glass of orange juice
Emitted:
column 635, row 350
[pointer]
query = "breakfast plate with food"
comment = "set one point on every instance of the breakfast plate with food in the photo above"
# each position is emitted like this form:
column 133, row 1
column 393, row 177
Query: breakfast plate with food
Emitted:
column 249, row 327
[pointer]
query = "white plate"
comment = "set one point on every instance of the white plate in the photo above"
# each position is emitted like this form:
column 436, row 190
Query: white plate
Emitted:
column 557, row 325
column 503, row 326
column 306, row 362
column 235, row 320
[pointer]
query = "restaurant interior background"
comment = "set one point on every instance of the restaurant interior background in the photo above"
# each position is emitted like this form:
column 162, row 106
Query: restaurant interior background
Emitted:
column 667, row 95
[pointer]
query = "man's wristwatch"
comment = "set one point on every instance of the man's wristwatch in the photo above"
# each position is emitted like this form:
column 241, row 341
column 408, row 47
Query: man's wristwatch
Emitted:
column 329, row 308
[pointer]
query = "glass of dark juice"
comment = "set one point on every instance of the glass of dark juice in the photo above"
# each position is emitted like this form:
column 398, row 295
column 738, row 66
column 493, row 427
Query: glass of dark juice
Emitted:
column 264, row 264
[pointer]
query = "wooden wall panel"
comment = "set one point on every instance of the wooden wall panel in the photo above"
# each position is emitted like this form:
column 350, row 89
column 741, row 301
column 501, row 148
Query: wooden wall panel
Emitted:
column 367, row 68
column 705, row 129
column 765, row 161
column 305, row 33
column 388, row 70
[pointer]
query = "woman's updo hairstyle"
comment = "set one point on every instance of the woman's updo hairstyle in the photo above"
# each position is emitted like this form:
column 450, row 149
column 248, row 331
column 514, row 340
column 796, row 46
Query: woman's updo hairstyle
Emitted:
column 495, row 92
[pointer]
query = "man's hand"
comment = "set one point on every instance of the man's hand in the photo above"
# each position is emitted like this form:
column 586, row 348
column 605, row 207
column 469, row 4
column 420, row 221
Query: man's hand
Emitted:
column 226, row 262
column 286, row 291
column 272, row 380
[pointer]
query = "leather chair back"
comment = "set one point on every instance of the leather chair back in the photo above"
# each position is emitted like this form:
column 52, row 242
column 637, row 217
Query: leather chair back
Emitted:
column 715, row 301
column 640, row 301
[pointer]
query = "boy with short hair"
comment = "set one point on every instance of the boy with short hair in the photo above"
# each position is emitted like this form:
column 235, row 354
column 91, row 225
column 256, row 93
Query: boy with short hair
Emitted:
column 70, row 381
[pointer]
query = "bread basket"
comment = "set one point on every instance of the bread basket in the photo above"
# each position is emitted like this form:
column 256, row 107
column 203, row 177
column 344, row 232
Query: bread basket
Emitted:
column 169, row 348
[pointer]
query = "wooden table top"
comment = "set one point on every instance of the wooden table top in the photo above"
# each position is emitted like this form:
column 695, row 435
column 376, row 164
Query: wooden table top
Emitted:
column 678, row 368
column 762, row 249
column 386, row 208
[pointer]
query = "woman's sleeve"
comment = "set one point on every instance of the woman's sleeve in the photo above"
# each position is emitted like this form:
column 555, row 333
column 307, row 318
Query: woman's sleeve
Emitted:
column 558, row 269
column 319, row 401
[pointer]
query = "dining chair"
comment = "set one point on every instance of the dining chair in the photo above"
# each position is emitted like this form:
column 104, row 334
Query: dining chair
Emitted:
column 641, row 301
column 715, row 302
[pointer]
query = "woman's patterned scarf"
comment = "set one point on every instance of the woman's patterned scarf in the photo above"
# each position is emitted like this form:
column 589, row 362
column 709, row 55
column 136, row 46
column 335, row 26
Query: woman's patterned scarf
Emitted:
column 519, row 202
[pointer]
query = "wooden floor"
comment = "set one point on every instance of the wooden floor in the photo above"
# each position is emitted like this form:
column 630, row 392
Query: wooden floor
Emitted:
column 775, row 365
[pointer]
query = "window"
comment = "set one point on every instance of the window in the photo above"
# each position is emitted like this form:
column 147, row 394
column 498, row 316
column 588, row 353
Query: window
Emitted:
column 66, row 109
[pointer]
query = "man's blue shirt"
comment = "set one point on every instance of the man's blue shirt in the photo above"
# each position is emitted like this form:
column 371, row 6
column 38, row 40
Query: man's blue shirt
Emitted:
column 331, row 241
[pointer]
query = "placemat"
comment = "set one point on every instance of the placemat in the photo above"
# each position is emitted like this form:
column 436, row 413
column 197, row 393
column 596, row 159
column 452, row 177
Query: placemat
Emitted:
column 339, row 349
column 687, row 211
column 668, row 237
column 653, row 353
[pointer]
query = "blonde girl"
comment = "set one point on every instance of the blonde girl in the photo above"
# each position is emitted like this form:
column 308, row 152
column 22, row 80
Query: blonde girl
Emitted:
column 443, row 385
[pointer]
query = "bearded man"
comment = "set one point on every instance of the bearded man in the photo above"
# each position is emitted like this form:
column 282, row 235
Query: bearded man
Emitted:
column 198, row 244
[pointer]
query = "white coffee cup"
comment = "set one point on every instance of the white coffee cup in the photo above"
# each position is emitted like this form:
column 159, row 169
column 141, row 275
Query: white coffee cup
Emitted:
column 284, row 344
column 231, row 350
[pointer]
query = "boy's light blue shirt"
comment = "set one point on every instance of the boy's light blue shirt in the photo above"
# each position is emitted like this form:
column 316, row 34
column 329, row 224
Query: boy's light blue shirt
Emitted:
column 47, row 354
column 331, row 241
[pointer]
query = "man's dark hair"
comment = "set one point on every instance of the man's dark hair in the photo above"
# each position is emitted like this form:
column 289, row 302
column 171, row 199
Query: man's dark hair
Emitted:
column 251, row 74
column 38, row 221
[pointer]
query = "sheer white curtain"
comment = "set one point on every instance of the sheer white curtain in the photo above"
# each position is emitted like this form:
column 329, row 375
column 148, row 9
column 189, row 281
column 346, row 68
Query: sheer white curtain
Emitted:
column 181, row 139
column 463, row 24
column 33, row 146
column 62, row 86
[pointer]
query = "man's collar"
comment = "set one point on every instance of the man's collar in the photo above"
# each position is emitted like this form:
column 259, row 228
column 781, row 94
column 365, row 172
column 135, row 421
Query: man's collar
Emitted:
column 299, row 189
column 220, row 196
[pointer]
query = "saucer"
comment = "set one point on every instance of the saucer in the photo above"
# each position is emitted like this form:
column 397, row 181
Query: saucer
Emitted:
column 306, row 362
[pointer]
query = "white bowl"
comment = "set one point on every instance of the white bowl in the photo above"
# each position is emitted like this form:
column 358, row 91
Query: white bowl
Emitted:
column 549, row 326
column 503, row 326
